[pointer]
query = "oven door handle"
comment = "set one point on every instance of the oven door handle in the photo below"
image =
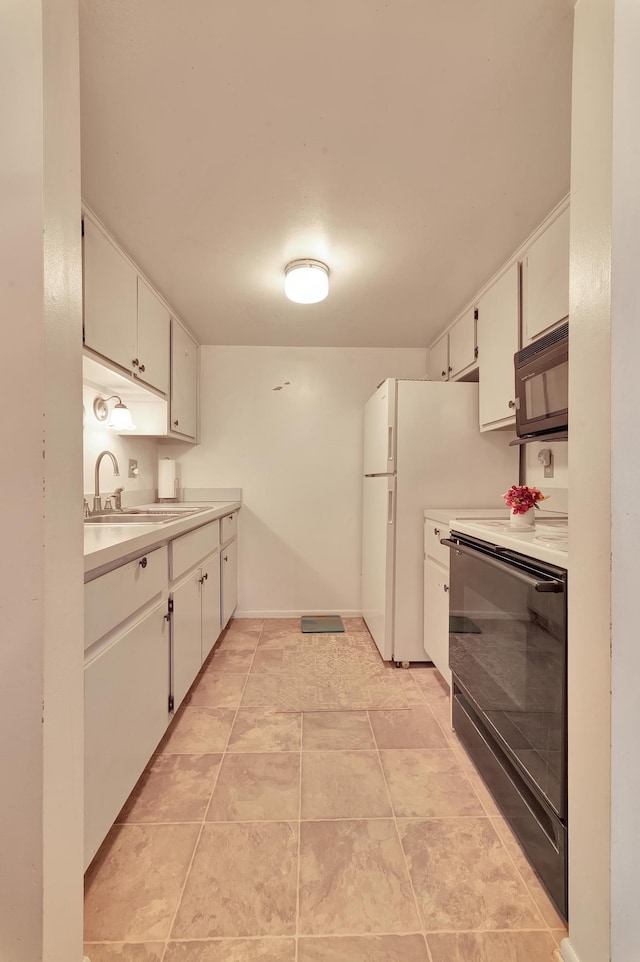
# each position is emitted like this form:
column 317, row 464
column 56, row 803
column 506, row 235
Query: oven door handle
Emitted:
column 557, row 587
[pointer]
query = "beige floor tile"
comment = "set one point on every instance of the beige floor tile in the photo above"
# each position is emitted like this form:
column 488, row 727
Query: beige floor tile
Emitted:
column 173, row 788
column 442, row 711
column 354, row 624
column 256, row 787
column 124, row 951
column 343, row 785
column 463, row 877
column 238, row 640
column 262, row 691
column 285, row 639
column 415, row 728
column 218, row 689
column 258, row 730
column 428, row 783
column 560, row 934
column 242, row 882
column 365, row 948
column 198, row 729
column 432, row 683
column 133, row 885
column 232, row 950
column 492, row 947
column 336, row 730
column 235, row 661
column 538, row 893
column 268, row 660
column 353, row 879
column 245, row 624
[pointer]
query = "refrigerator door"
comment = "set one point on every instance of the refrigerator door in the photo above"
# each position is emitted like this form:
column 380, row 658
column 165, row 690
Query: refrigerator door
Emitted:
column 378, row 558
column 379, row 430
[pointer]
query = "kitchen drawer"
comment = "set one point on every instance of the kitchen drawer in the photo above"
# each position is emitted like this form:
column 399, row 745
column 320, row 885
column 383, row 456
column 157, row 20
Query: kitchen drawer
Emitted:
column 190, row 549
column 114, row 597
column 229, row 527
column 433, row 532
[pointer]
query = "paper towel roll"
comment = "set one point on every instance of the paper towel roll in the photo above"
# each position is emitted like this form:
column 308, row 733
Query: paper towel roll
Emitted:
column 166, row 478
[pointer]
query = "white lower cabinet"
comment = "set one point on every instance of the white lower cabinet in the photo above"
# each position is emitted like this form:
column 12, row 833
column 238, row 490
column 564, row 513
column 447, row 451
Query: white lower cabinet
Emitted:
column 229, row 580
column 211, row 604
column 126, row 713
column 195, row 622
column 436, row 597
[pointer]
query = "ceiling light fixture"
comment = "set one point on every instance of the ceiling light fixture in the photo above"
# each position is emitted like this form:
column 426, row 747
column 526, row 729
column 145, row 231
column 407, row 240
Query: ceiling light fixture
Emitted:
column 306, row 281
column 120, row 418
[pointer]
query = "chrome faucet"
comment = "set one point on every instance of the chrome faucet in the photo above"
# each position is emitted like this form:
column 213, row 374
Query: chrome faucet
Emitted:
column 97, row 501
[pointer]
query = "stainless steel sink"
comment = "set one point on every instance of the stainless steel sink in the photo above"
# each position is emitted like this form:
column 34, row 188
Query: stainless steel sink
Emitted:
column 142, row 516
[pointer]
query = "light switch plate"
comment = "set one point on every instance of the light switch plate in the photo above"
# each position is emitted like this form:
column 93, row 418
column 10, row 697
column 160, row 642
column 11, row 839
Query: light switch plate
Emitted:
column 133, row 468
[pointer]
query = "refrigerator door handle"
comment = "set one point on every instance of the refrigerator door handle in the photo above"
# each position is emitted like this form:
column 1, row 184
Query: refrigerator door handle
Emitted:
column 390, row 444
column 390, row 508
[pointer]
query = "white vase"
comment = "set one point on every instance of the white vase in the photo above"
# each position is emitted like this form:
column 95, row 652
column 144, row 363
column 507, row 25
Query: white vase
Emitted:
column 526, row 520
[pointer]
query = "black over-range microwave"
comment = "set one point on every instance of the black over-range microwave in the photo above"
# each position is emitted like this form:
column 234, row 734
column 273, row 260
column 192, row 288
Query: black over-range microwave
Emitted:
column 542, row 385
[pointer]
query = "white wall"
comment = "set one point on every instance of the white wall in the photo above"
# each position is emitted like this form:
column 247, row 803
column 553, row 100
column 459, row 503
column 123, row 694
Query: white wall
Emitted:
column 285, row 424
column 589, row 478
column 41, row 565
column 97, row 438
column 557, row 487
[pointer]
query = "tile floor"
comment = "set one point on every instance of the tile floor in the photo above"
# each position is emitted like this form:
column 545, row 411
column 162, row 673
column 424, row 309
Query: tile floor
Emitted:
column 257, row 835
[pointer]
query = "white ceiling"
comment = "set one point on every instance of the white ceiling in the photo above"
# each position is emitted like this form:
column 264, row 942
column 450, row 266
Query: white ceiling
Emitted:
column 412, row 145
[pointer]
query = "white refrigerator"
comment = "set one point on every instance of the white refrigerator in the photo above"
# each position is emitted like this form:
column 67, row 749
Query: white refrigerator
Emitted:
column 422, row 448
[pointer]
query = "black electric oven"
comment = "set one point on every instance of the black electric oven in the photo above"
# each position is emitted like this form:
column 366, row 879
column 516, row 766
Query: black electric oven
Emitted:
column 508, row 658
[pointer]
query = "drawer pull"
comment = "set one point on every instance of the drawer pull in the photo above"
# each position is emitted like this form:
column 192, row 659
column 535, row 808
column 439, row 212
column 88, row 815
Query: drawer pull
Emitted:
column 436, row 531
column 143, row 562
column 445, row 587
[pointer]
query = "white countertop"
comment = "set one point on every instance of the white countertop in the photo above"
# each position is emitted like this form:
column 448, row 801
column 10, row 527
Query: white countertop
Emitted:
column 444, row 515
column 522, row 541
column 105, row 545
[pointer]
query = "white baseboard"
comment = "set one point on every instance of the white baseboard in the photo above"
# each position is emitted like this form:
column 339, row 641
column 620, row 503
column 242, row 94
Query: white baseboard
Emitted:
column 296, row 614
column 568, row 952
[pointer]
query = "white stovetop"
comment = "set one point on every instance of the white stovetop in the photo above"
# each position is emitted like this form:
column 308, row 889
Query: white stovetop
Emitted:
column 546, row 541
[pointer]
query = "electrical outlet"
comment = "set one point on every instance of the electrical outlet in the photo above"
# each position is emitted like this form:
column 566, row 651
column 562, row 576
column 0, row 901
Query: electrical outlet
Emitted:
column 133, row 468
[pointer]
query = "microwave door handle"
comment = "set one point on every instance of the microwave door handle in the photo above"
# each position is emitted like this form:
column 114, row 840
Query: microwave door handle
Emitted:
column 557, row 587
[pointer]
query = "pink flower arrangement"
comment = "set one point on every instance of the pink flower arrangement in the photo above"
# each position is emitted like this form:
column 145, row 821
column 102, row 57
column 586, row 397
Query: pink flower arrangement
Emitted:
column 521, row 498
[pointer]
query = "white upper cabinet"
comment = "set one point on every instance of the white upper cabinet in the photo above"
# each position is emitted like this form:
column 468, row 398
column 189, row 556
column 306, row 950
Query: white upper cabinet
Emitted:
column 462, row 344
column 184, row 382
column 545, row 279
column 152, row 359
column 455, row 352
column 110, row 299
column 498, row 322
column 438, row 366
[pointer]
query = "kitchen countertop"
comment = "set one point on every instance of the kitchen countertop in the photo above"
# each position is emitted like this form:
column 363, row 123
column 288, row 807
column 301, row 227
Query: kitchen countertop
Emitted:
column 103, row 546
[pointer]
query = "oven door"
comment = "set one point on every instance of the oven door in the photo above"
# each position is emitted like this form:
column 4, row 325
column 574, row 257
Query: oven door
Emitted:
column 507, row 651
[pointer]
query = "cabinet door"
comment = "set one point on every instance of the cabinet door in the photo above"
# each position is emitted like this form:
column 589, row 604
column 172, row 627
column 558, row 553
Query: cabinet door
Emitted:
column 462, row 344
column 498, row 342
column 110, row 299
column 186, row 636
column 153, row 339
column 184, row 381
column 229, row 579
column 436, row 617
column 545, row 280
column 211, row 589
column 438, row 365
column 126, row 691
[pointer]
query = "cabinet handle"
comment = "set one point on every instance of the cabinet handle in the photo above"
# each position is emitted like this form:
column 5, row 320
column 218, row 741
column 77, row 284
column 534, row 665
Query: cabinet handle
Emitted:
column 204, row 577
column 141, row 368
column 436, row 531
column 135, row 362
column 443, row 374
column 176, row 423
column 143, row 562
column 226, row 557
column 449, row 369
column 512, row 404
column 445, row 587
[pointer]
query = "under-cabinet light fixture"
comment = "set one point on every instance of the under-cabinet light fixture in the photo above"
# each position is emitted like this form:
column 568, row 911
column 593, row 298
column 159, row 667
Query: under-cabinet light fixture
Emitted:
column 120, row 417
column 306, row 281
